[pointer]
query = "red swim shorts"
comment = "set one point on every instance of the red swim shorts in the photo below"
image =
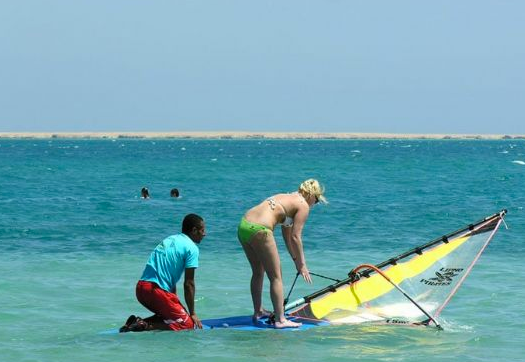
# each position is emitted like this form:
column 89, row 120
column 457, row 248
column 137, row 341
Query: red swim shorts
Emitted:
column 164, row 304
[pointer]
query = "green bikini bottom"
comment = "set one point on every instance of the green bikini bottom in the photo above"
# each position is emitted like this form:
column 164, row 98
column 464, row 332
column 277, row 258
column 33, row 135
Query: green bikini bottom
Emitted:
column 247, row 230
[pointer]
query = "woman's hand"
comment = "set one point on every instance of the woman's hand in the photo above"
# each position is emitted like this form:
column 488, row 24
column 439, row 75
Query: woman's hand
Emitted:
column 303, row 270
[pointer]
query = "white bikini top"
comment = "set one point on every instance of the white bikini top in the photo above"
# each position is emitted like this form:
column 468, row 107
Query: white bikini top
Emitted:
column 288, row 221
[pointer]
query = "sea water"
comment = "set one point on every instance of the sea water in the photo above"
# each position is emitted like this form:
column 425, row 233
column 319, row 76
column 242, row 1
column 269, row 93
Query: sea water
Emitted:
column 75, row 236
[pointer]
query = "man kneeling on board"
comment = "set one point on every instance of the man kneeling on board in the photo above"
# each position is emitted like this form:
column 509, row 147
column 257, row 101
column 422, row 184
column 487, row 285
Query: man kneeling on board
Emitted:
column 156, row 289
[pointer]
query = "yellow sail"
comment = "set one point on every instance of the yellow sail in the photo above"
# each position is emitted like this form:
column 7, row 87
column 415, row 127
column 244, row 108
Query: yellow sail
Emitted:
column 410, row 288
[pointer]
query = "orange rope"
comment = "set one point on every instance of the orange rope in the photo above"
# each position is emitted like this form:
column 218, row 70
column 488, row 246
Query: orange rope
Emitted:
column 380, row 272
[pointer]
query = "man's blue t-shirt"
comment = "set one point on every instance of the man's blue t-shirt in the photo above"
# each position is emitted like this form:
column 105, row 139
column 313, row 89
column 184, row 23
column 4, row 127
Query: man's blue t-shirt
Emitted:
column 169, row 259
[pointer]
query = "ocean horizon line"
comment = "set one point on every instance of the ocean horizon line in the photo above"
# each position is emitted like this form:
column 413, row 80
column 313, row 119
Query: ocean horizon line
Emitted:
column 250, row 135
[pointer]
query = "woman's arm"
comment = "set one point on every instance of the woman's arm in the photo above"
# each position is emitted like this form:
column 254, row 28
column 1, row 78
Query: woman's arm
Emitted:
column 295, row 241
column 287, row 236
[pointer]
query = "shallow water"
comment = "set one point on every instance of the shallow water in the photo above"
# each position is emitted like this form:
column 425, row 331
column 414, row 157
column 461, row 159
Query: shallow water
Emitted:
column 75, row 236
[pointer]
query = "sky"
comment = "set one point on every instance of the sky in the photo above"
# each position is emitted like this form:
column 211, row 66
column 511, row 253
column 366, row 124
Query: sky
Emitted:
column 451, row 66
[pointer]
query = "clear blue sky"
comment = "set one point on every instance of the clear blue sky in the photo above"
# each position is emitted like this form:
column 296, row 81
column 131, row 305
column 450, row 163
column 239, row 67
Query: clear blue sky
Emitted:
column 249, row 65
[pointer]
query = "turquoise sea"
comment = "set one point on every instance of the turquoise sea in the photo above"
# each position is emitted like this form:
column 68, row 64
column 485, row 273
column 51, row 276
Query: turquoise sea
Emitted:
column 75, row 236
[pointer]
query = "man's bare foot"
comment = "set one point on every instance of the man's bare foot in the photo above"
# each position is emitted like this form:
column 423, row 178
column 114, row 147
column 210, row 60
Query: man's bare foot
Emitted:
column 287, row 324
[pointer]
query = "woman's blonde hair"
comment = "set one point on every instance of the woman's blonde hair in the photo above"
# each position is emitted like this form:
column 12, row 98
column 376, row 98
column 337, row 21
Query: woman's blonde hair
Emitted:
column 313, row 187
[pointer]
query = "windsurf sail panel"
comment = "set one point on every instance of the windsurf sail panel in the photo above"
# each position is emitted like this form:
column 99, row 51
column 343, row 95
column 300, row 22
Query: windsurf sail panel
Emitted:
column 413, row 287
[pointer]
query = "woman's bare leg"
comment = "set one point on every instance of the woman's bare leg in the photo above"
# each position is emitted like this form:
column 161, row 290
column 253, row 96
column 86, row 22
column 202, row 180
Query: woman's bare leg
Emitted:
column 256, row 282
column 264, row 246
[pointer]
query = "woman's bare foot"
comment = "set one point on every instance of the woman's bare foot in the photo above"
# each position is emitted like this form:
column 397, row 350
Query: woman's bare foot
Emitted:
column 287, row 324
column 261, row 314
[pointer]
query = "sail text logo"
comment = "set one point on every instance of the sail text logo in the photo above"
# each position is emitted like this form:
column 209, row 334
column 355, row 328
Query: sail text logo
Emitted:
column 443, row 277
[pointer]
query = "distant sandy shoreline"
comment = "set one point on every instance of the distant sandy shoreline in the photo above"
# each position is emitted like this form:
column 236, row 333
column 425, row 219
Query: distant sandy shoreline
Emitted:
column 246, row 135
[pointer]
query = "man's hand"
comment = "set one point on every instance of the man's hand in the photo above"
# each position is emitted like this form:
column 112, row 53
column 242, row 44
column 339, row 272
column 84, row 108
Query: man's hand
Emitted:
column 197, row 321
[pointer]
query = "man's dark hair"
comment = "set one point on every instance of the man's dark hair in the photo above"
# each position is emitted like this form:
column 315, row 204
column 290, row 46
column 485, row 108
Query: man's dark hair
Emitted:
column 191, row 221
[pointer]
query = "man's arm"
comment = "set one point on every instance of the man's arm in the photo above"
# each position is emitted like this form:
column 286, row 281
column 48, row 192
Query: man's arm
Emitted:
column 189, row 295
